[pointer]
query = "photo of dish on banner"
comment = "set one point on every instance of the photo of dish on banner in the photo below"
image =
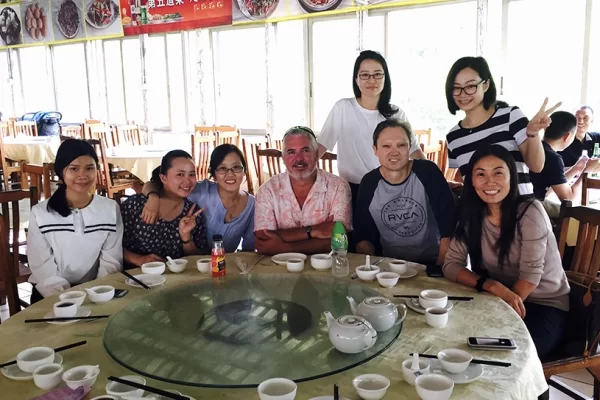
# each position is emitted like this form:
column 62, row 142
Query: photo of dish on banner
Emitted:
column 156, row 16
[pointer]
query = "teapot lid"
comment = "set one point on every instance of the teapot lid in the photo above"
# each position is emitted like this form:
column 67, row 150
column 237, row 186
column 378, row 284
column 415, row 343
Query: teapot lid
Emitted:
column 351, row 320
column 377, row 302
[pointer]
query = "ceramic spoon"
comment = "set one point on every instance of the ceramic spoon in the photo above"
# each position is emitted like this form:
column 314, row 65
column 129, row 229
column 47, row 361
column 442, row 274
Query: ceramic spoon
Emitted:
column 90, row 373
column 415, row 362
column 368, row 264
column 170, row 260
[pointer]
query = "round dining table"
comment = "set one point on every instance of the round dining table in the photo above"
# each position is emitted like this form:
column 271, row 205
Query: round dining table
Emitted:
column 32, row 149
column 139, row 160
column 483, row 316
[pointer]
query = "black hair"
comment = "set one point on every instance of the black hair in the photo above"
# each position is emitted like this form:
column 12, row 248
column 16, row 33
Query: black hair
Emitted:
column 483, row 69
column 165, row 165
column 68, row 151
column 562, row 123
column 392, row 123
column 472, row 210
column 384, row 106
column 219, row 154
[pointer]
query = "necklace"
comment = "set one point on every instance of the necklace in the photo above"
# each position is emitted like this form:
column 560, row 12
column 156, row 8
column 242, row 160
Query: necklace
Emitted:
column 232, row 208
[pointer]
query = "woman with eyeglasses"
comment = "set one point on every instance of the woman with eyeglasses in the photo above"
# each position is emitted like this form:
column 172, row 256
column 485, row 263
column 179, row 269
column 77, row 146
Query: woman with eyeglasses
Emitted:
column 352, row 121
column 228, row 210
column 470, row 88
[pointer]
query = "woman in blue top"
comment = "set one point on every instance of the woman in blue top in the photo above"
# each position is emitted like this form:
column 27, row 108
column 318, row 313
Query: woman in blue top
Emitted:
column 228, row 211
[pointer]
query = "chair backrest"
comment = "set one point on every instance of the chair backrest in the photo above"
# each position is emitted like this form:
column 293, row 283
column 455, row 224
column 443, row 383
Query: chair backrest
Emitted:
column 7, row 167
column 273, row 160
column 9, row 242
column 327, row 162
column 102, row 132
column 37, row 176
column 104, row 180
column 74, row 131
column 202, row 147
column 274, row 143
column 128, row 135
column 5, row 129
column 249, row 147
column 227, row 134
column 587, row 183
column 435, row 153
column 27, row 128
column 205, row 130
column 422, row 136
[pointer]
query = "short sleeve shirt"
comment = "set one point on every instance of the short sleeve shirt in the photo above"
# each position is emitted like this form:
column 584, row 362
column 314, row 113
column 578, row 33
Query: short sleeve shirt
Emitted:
column 552, row 174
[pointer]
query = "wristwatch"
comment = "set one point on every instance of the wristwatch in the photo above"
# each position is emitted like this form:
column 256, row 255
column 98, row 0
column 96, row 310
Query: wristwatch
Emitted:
column 480, row 283
column 308, row 231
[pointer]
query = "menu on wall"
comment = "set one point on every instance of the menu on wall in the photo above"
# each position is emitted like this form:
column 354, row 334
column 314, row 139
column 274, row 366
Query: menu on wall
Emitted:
column 37, row 22
column 154, row 16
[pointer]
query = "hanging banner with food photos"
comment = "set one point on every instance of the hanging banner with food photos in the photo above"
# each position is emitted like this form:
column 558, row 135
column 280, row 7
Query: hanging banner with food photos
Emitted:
column 156, row 16
column 38, row 22
column 253, row 11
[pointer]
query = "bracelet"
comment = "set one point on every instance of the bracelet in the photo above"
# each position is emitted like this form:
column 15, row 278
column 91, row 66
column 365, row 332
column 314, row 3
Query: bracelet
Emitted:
column 186, row 241
column 152, row 192
column 532, row 135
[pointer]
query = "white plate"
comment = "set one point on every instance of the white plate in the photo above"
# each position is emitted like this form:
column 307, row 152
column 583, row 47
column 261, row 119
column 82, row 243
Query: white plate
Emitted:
column 410, row 272
column 471, row 374
column 147, row 279
column 281, row 259
column 81, row 312
column 15, row 373
column 414, row 305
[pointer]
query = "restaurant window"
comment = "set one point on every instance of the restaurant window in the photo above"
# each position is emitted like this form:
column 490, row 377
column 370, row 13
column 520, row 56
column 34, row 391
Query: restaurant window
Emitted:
column 115, row 95
column 419, row 63
column 6, row 107
column 593, row 84
column 132, row 68
column 374, row 33
column 156, row 75
column 333, row 59
column 241, row 81
column 70, row 73
column 177, row 93
column 38, row 92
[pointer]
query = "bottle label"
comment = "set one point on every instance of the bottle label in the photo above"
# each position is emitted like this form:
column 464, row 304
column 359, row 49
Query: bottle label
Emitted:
column 339, row 242
column 218, row 265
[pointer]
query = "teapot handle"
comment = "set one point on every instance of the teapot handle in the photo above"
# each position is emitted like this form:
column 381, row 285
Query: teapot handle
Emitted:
column 403, row 313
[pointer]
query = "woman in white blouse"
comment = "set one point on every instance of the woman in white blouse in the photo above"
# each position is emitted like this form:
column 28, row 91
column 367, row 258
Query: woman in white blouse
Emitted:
column 352, row 121
column 74, row 236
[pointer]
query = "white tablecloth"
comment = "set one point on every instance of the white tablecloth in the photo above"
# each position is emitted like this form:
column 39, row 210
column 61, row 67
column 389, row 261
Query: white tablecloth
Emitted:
column 139, row 160
column 33, row 150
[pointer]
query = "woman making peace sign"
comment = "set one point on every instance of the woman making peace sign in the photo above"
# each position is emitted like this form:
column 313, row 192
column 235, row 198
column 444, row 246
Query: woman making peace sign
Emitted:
column 471, row 88
column 180, row 229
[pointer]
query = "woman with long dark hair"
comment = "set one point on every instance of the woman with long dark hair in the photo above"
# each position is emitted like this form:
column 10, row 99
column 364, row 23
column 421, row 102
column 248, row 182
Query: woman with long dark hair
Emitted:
column 470, row 88
column 180, row 229
column 513, row 252
column 74, row 236
column 352, row 121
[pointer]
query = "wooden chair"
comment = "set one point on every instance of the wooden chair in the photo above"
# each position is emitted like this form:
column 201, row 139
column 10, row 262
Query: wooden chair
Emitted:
column 584, row 315
column 205, row 130
column 587, row 183
column 202, row 147
column 9, row 168
column 274, row 143
column 128, row 135
column 249, row 147
column 435, row 153
column 37, row 176
column 102, row 132
column 108, row 182
column 326, row 162
column 73, row 131
column 228, row 134
column 273, row 160
column 12, row 271
column 423, row 136
column 26, row 128
column 5, row 130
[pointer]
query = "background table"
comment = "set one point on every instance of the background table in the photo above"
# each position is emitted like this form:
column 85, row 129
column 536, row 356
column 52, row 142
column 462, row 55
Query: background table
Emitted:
column 139, row 160
column 486, row 315
column 34, row 150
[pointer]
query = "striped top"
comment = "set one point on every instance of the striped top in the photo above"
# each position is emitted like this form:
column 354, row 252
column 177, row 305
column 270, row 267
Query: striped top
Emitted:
column 506, row 127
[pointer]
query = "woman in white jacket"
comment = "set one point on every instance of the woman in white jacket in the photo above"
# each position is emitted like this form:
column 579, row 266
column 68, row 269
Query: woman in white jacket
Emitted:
column 74, row 236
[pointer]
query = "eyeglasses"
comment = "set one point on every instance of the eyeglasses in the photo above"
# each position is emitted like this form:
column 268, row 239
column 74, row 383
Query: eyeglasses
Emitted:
column 469, row 89
column 238, row 169
column 366, row 76
column 300, row 128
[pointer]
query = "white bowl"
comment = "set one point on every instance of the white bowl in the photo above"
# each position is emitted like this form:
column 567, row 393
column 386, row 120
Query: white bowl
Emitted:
column 455, row 361
column 371, row 386
column 120, row 390
column 76, row 296
column 74, row 377
column 277, row 389
column 409, row 374
column 436, row 317
column 433, row 298
column 29, row 359
column 320, row 261
column 105, row 397
column 367, row 275
column 398, row 266
column 295, row 265
column 388, row 279
column 434, row 387
column 154, row 268
column 47, row 376
column 65, row 309
column 204, row 265
column 101, row 294
column 177, row 266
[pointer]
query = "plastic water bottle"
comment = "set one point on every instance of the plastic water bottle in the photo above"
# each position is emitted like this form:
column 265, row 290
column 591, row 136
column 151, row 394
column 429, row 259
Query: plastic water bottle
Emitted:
column 595, row 156
column 339, row 244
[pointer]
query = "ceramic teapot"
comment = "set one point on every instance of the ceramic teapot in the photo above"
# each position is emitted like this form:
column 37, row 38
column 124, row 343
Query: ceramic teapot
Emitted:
column 379, row 311
column 350, row 334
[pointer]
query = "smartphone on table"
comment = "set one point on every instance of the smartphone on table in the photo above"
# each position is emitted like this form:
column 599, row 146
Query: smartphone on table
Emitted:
column 486, row 343
column 120, row 293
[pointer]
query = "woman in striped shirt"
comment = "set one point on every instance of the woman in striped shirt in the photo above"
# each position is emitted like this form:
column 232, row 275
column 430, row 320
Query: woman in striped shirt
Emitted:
column 471, row 88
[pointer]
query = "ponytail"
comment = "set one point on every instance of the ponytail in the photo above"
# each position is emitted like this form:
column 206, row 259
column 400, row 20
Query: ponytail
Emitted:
column 58, row 201
column 156, row 178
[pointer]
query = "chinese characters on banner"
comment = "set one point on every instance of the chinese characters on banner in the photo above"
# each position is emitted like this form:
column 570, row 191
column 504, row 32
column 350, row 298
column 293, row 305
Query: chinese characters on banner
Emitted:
column 155, row 16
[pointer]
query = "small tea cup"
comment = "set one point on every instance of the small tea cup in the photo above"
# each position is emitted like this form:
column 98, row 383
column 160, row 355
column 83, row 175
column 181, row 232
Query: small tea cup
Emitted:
column 277, row 389
column 204, row 265
column 436, row 317
column 295, row 265
column 434, row 387
column 398, row 266
column 48, row 376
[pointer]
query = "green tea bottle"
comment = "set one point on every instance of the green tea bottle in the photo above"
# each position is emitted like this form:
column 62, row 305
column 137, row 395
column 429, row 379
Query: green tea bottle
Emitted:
column 339, row 239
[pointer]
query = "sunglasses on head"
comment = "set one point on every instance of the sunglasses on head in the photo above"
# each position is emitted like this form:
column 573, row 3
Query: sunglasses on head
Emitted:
column 300, row 128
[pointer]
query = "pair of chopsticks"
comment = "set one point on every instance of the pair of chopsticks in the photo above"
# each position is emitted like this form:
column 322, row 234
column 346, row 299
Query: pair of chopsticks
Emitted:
column 150, row 389
column 456, row 298
column 136, row 280
column 249, row 268
column 336, row 392
column 59, row 319
column 67, row 347
column 474, row 361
